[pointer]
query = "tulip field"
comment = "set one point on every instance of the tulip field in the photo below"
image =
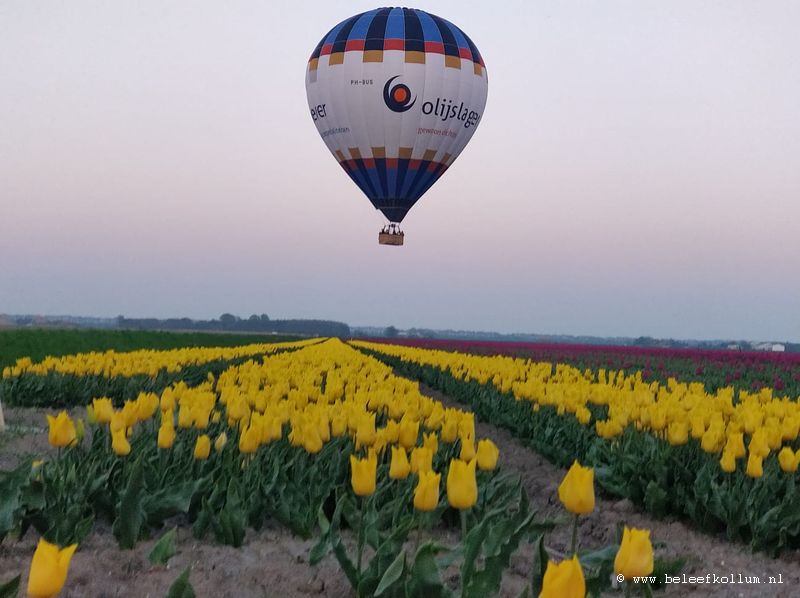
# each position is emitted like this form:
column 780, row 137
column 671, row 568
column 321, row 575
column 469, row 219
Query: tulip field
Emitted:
column 394, row 470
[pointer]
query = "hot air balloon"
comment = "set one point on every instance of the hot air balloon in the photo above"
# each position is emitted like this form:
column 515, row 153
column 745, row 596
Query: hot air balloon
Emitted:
column 396, row 94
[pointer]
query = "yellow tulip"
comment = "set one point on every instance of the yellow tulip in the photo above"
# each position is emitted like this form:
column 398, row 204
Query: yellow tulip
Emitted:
column 202, row 448
column 421, row 459
column 220, row 442
column 678, row 433
column 185, row 416
column 426, row 494
column 49, row 568
column 467, row 448
column 400, row 467
column 61, row 431
column 312, row 441
column 487, row 455
column 462, row 487
column 117, row 422
column 564, row 580
column 787, row 460
column 120, row 444
column 449, row 430
column 365, row 430
column 103, row 410
column 576, row 491
column 339, row 424
column 735, row 444
column 431, row 441
column 166, row 435
column 759, row 443
column 755, row 466
column 728, row 461
column 362, row 474
column 635, row 555
column 409, row 430
column 249, row 439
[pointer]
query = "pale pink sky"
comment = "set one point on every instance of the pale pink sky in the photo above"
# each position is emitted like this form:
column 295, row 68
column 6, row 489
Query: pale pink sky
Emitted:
column 637, row 171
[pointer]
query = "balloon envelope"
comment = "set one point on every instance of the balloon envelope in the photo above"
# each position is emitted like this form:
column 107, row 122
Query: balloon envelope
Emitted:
column 396, row 94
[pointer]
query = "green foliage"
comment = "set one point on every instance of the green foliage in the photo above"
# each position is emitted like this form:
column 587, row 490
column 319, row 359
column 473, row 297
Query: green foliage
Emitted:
column 394, row 572
column 10, row 588
column 164, row 549
column 181, row 587
column 130, row 514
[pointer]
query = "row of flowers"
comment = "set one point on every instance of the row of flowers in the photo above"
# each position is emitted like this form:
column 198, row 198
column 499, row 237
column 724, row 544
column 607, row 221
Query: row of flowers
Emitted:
column 611, row 400
column 143, row 362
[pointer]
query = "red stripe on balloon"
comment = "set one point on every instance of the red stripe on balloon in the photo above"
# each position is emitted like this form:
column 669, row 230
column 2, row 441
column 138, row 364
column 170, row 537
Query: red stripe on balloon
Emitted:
column 394, row 44
column 354, row 44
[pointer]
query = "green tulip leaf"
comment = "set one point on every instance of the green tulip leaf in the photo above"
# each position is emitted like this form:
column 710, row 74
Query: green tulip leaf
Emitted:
column 181, row 587
column 10, row 589
column 165, row 548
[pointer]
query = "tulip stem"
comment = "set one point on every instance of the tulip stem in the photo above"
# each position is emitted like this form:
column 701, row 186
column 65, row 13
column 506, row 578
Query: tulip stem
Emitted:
column 463, row 514
column 627, row 589
column 574, row 545
column 362, row 530
column 419, row 533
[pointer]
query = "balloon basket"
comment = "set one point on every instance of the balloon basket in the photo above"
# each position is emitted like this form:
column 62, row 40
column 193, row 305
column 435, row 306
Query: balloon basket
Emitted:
column 391, row 235
column 390, row 238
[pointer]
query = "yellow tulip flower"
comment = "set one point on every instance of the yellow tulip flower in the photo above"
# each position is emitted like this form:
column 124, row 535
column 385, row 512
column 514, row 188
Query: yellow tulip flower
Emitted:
column 467, row 448
column 431, row 441
column 400, row 467
column 735, row 444
column 449, row 431
column 754, row 466
column 678, row 433
column 166, row 435
column 103, row 410
column 635, row 555
column 249, row 438
column 487, row 455
column 564, row 580
column 61, row 431
column 362, row 474
column 787, row 460
column 421, row 459
column 409, row 430
column 426, row 494
column 365, row 430
column 728, row 461
column 462, row 486
column 220, row 442
column 49, row 568
column 120, row 444
column 202, row 448
column 576, row 490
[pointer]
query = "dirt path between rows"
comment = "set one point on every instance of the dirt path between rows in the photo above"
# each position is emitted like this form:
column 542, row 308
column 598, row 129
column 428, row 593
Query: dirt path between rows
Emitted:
column 705, row 554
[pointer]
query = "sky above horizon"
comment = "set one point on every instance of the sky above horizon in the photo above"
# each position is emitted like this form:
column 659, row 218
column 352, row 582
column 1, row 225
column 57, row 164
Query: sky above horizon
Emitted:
column 636, row 171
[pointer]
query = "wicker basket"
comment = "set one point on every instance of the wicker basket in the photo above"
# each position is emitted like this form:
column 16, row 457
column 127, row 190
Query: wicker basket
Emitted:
column 390, row 238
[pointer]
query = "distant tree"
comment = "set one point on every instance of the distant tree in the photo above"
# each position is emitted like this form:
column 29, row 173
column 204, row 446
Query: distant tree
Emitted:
column 390, row 332
column 228, row 320
column 264, row 318
column 254, row 318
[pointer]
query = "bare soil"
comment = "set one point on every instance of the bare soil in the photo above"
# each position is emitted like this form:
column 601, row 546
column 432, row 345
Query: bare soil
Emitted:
column 273, row 562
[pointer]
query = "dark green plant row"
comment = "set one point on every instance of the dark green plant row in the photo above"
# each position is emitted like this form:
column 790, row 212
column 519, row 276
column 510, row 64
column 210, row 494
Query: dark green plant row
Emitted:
column 682, row 480
column 39, row 343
